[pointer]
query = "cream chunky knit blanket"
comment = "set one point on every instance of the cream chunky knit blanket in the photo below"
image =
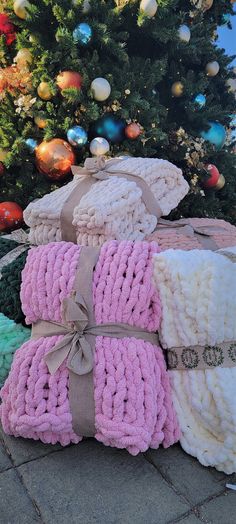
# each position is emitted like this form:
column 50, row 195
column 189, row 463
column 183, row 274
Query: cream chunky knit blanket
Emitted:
column 197, row 291
column 113, row 208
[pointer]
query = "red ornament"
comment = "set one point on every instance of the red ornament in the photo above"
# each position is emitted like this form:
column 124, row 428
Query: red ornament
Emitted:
column 7, row 28
column 214, row 176
column 2, row 169
column 55, row 158
column 132, row 131
column 68, row 79
column 11, row 216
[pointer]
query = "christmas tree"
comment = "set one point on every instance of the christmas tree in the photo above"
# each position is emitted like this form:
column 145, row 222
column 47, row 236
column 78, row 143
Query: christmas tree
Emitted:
column 146, row 76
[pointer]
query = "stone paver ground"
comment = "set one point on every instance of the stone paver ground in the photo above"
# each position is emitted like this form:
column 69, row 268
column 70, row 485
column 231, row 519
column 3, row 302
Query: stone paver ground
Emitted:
column 92, row 484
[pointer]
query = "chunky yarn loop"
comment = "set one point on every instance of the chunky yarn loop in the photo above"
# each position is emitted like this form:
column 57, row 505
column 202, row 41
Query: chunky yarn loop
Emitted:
column 10, row 282
column 11, row 338
column 133, row 405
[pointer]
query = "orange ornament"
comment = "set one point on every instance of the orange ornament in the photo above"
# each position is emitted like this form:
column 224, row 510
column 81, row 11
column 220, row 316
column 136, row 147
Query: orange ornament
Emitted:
column 55, row 158
column 11, row 216
column 132, row 131
column 68, row 79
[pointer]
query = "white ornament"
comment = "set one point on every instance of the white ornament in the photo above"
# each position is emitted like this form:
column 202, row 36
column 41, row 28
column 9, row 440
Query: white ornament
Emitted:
column 99, row 146
column 148, row 7
column 212, row 68
column 86, row 6
column 184, row 33
column 231, row 84
column 101, row 89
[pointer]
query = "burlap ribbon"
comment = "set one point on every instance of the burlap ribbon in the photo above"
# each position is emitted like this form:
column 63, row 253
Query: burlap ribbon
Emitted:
column 78, row 345
column 203, row 233
column 94, row 170
column 21, row 237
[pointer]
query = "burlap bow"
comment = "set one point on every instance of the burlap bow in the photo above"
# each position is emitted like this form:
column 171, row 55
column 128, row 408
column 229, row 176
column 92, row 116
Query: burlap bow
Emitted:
column 203, row 233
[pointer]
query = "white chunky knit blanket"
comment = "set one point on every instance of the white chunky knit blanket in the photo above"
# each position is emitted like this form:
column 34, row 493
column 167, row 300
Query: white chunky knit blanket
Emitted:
column 197, row 291
column 113, row 208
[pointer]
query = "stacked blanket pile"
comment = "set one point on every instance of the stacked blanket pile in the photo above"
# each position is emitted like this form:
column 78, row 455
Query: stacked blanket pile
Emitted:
column 174, row 237
column 10, row 280
column 113, row 208
column 197, row 292
column 11, row 338
column 133, row 406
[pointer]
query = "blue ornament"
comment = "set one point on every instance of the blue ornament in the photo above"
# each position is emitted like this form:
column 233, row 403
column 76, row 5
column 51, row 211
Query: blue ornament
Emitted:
column 216, row 134
column 77, row 136
column 111, row 128
column 31, row 144
column 82, row 34
column 200, row 100
column 226, row 18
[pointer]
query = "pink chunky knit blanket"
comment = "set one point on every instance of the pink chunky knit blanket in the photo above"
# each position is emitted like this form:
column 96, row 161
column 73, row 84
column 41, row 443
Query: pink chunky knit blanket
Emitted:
column 133, row 405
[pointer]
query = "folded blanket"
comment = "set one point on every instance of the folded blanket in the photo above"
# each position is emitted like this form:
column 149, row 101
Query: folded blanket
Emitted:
column 113, row 208
column 197, row 292
column 10, row 281
column 133, row 406
column 223, row 234
column 11, row 338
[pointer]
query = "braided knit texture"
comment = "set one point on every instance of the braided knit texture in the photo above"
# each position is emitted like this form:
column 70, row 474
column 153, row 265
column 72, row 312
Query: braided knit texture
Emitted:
column 197, row 291
column 11, row 338
column 177, row 239
column 131, row 386
column 10, row 282
column 113, row 208
column 6, row 245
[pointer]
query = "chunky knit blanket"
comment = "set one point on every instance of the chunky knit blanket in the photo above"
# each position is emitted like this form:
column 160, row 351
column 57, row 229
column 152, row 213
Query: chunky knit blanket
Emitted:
column 10, row 281
column 197, row 292
column 177, row 238
column 113, row 208
column 11, row 338
column 133, row 406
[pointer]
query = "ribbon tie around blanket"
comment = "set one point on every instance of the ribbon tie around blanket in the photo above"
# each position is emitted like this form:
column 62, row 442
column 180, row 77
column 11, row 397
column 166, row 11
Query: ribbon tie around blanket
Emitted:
column 203, row 233
column 94, row 170
column 19, row 236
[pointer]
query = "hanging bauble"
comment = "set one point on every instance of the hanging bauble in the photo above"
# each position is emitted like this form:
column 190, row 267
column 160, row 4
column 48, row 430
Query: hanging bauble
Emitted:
column 55, row 158
column 200, row 100
column 82, row 34
column 7, row 28
column 148, row 7
column 77, row 136
column 184, row 33
column 101, row 89
column 44, row 91
column 11, row 216
column 231, row 84
column 177, row 89
column 99, row 146
column 216, row 134
column 214, row 176
column 2, row 169
column 220, row 184
column 212, row 68
column 111, row 128
column 132, row 131
column 20, row 8
column 31, row 143
column 40, row 120
column 3, row 154
column 86, row 5
column 23, row 57
column 68, row 79
column 225, row 18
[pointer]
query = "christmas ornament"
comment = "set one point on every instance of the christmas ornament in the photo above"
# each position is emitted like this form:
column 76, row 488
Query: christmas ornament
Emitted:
column 2, row 169
column 82, row 34
column 3, row 154
column 23, row 57
column 11, row 216
column 221, row 182
column 99, row 146
column 177, row 89
column 231, row 84
column 20, row 8
column 77, row 136
column 148, row 7
column 54, row 158
column 40, row 120
column 110, row 127
column 44, row 91
column 68, row 79
column 101, row 89
column 216, row 134
column 214, row 176
column 200, row 100
column 7, row 29
column 212, row 68
column 184, row 33
column 132, row 131
column 31, row 143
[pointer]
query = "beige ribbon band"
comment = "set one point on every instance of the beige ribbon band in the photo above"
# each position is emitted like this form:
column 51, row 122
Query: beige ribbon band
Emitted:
column 96, row 169
column 203, row 233
column 11, row 256
column 202, row 357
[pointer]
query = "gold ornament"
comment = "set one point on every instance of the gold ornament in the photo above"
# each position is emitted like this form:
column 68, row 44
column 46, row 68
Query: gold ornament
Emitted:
column 44, row 91
column 220, row 184
column 20, row 8
column 40, row 120
column 3, row 154
column 23, row 57
column 177, row 89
